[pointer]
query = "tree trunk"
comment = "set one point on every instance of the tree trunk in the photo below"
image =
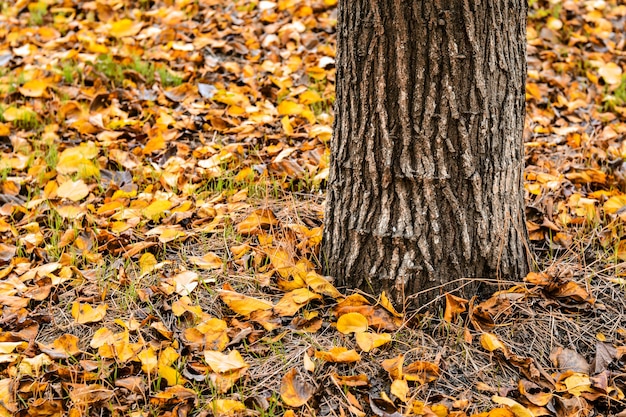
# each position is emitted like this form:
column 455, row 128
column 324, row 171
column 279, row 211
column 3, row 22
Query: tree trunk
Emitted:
column 425, row 188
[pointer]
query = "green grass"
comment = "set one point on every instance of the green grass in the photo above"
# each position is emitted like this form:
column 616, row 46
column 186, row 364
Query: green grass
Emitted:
column 169, row 79
column 28, row 120
column 37, row 12
column 109, row 67
column 70, row 72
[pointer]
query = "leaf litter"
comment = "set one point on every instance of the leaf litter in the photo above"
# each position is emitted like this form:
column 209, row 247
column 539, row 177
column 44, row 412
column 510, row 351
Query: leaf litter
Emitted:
column 162, row 169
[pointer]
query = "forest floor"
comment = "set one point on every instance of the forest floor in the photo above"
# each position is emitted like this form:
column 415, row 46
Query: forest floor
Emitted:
column 162, row 174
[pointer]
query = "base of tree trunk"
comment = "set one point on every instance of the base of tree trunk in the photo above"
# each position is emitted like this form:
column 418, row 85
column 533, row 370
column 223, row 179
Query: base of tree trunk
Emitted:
column 425, row 191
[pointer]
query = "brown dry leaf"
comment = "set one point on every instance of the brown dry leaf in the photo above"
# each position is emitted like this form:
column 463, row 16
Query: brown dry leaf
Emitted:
column 294, row 391
column 360, row 380
column 394, row 366
column 534, row 393
column 7, row 252
column 454, row 306
column 338, row 354
column 83, row 395
column 421, row 371
column 84, row 313
column 352, row 323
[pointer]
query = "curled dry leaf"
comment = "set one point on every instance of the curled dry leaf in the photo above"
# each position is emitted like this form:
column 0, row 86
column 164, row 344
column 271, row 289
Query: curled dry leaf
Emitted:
column 421, row 371
column 454, row 306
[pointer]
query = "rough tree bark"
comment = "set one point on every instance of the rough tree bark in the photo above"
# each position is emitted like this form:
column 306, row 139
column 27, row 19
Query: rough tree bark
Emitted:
column 427, row 156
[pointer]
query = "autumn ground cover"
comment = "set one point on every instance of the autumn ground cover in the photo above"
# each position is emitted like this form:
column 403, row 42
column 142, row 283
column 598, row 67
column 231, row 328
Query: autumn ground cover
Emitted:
column 162, row 176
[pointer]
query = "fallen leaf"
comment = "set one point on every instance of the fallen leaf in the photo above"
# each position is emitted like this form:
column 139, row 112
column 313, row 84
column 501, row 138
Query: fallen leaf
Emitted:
column 85, row 313
column 294, row 391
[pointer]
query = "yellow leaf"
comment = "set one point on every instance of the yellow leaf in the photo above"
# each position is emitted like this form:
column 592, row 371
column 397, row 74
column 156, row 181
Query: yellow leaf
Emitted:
column 368, row 341
column 611, row 73
column 291, row 302
column 156, row 209
column 290, row 108
column 149, row 360
column 64, row 346
column 338, row 355
column 554, row 23
column 386, row 304
column 352, row 323
column 34, row 88
column 518, row 409
column 155, row 143
column 73, row 190
column 147, row 262
column 400, row 389
column 294, row 391
column 490, row 342
column 5, row 129
column 287, row 125
column 227, row 407
column 615, row 204
column 255, row 222
column 169, row 374
column 320, row 285
column 125, row 27
column 9, row 347
column 242, row 304
column 85, row 313
column 309, row 97
column 578, row 383
column 208, row 261
column 222, row 363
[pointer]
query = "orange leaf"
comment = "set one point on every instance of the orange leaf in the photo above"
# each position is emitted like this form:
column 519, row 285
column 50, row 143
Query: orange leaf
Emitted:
column 352, row 323
column 242, row 304
column 85, row 313
column 339, row 355
column 294, row 391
